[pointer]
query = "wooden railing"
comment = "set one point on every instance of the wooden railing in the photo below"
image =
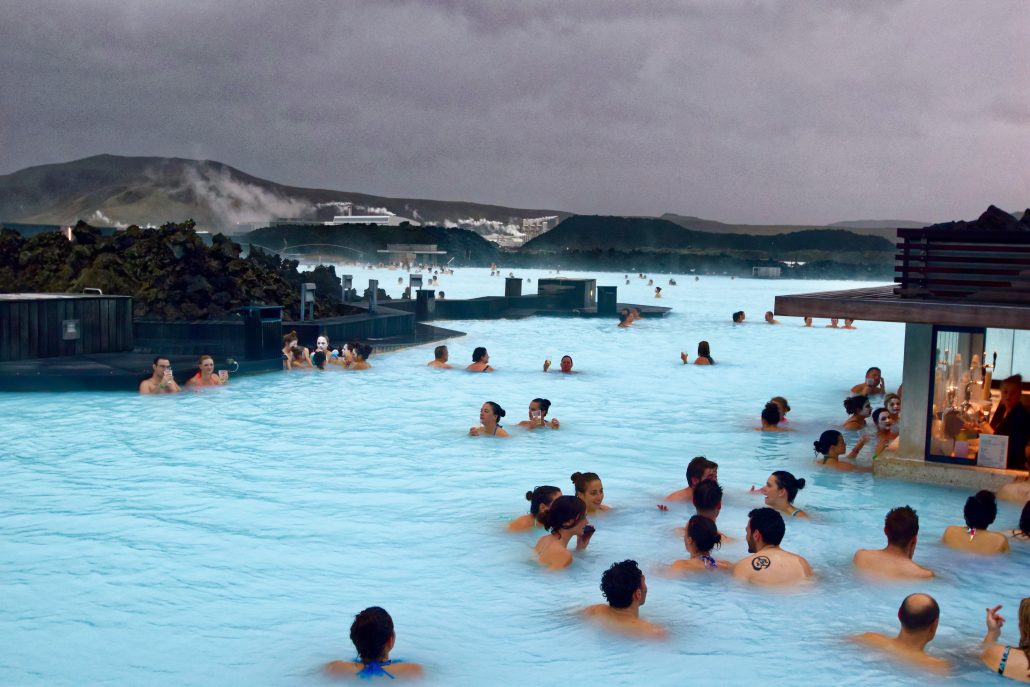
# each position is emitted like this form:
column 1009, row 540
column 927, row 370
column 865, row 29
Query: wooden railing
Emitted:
column 978, row 266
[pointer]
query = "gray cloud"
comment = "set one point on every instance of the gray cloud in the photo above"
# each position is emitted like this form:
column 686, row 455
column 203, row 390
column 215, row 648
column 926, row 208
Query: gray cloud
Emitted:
column 761, row 111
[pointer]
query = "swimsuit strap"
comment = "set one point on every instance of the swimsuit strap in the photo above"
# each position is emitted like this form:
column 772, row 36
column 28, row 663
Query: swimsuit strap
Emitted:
column 374, row 669
column 796, row 511
column 708, row 561
column 972, row 533
column 1004, row 660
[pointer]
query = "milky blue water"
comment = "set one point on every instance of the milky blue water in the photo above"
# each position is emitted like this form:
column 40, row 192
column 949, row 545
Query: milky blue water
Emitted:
column 229, row 537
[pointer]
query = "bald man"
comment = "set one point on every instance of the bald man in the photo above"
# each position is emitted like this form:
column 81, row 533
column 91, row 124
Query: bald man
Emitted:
column 919, row 615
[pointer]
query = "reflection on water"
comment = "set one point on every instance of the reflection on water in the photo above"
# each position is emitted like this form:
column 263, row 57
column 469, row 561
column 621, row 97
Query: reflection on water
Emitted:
column 230, row 537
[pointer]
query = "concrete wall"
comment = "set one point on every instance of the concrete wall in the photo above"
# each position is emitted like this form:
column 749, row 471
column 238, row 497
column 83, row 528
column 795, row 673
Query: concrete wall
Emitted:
column 916, row 380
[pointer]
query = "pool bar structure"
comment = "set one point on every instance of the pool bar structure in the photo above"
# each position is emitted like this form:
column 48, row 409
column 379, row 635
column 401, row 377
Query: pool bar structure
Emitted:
column 964, row 297
column 90, row 341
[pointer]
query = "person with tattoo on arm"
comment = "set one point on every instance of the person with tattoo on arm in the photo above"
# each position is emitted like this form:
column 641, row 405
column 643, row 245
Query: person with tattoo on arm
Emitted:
column 919, row 615
column 768, row 564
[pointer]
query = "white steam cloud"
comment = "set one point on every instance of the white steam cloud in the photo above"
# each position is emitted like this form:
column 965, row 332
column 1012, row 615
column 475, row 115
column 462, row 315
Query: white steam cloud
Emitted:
column 233, row 202
column 485, row 227
column 98, row 217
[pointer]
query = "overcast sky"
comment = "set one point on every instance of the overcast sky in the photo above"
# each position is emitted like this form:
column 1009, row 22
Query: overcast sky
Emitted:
column 759, row 111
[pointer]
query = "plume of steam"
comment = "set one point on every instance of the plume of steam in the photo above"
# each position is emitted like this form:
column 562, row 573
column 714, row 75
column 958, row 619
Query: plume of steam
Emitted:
column 233, row 202
column 98, row 217
column 485, row 227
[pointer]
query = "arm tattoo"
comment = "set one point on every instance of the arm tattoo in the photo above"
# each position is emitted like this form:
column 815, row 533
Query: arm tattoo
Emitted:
column 760, row 563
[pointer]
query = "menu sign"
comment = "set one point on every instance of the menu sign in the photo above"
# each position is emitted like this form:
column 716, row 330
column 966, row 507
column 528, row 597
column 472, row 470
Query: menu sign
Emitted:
column 994, row 451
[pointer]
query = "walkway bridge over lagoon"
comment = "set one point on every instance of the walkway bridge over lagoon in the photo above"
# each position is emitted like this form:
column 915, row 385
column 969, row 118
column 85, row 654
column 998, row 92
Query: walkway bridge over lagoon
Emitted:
column 52, row 342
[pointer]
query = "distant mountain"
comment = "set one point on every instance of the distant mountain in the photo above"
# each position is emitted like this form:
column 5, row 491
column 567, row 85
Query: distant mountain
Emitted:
column 115, row 190
column 884, row 228
column 586, row 232
column 890, row 224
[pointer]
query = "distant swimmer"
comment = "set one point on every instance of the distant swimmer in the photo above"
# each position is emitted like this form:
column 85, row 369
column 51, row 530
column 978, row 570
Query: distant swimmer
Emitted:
column 538, row 408
column 361, row 355
column 565, row 365
column 540, row 500
column 781, row 488
column 300, row 358
column 768, row 564
column 771, row 419
column 625, row 589
column 704, row 354
column 441, row 296
column 489, row 417
column 440, row 356
column 769, row 319
column 206, row 375
column 919, row 615
column 833, row 323
column 859, row 409
column 480, row 361
column 873, row 384
column 849, row 324
column 161, row 380
column 895, row 560
column 698, row 469
column 980, row 511
column 566, row 518
column 831, row 446
column 808, row 321
column 590, row 490
column 373, row 636
column 635, row 314
column 624, row 320
column 700, row 539
column 1008, row 661
column 784, row 407
column 738, row 317
column 657, row 292
column 1017, row 490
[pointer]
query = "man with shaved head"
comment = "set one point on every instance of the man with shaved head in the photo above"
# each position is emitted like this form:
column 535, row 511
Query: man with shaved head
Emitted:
column 919, row 615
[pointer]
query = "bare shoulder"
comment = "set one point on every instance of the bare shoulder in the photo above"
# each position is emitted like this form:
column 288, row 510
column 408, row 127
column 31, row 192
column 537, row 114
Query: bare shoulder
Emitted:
column 991, row 656
column 594, row 610
column 405, row 669
column 342, row 668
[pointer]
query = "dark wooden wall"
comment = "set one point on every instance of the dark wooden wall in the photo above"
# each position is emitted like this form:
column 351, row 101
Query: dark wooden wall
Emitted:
column 32, row 328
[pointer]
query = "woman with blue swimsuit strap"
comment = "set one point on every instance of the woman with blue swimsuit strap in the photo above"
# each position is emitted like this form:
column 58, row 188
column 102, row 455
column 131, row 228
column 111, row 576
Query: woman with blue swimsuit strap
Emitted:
column 373, row 637
column 780, row 491
column 1012, row 662
column 700, row 538
column 489, row 417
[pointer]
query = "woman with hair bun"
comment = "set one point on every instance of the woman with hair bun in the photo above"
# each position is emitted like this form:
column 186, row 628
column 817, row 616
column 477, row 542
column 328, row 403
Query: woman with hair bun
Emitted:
column 700, row 538
column 831, row 446
column 858, row 409
column 780, row 491
column 566, row 518
column 980, row 511
column 540, row 500
column 590, row 490
column 489, row 417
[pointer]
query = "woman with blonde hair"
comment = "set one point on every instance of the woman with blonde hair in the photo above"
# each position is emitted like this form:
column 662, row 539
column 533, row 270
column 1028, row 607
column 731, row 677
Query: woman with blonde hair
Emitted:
column 206, row 375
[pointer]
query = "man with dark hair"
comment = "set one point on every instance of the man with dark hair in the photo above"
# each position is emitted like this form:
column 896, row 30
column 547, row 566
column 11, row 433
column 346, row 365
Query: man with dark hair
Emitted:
column 624, row 587
column 768, row 564
column 708, row 499
column 439, row 360
column 373, row 636
column 698, row 470
column 895, row 560
column 873, row 384
column 919, row 615
column 161, row 380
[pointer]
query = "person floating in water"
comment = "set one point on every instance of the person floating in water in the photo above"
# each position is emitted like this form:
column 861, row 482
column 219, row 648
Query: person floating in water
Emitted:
column 769, row 319
column 625, row 589
column 480, row 361
column 624, row 320
column 657, row 292
column 768, row 564
column 489, row 417
column 895, row 560
column 781, row 488
column 540, row 500
column 704, row 355
column 565, row 519
column 919, row 615
column 538, row 408
column 161, row 380
column 771, row 419
column 738, row 317
column 590, row 490
column 831, row 446
column 859, row 409
column 373, row 636
column 439, row 361
column 849, row 324
column 565, row 365
column 980, row 511
column 698, row 469
column 808, row 321
column 206, row 375
column 873, row 384
column 700, row 538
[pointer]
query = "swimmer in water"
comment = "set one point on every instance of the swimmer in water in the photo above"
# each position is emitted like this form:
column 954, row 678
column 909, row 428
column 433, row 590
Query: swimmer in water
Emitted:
column 480, row 361
column 919, row 615
column 704, row 354
column 540, row 500
column 698, row 469
column 858, row 408
column 565, row 519
column 833, row 323
column 565, row 365
column 892, row 402
column 538, row 408
column 980, row 511
column 361, row 353
column 873, row 384
column 161, row 380
column 895, row 560
column 657, row 292
column 300, row 358
column 206, row 375
column 489, row 417
column 738, row 317
column 590, row 490
column 700, row 538
column 1012, row 662
column 625, row 589
column 808, row 321
column 771, row 419
column 849, row 324
column 1023, row 531
column 624, row 320
column 769, row 319
column 784, row 407
column 768, row 564
column 831, row 446
column 780, row 491
column 885, row 435
column 439, row 361
column 373, row 637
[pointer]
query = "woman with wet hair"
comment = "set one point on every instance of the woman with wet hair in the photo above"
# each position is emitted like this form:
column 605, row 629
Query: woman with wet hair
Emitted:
column 704, row 354
column 565, row 519
column 780, row 491
column 831, row 446
column 885, row 434
column 784, row 407
column 373, row 636
column 858, row 409
column 538, row 408
column 489, row 418
column 480, row 361
column 700, row 538
column 1012, row 662
column 206, row 375
column 892, row 402
column 771, row 419
column 540, row 500
column 590, row 490
column 980, row 511
column 361, row 353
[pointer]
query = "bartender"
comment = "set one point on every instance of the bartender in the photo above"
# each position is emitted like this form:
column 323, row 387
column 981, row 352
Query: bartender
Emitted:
column 1011, row 419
